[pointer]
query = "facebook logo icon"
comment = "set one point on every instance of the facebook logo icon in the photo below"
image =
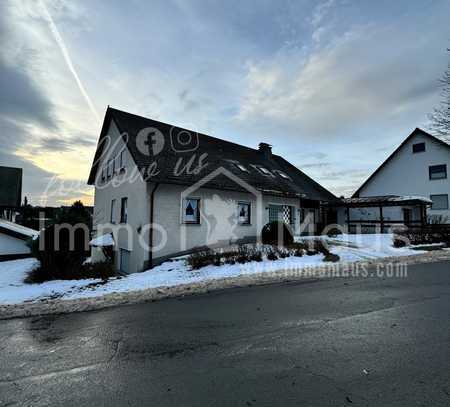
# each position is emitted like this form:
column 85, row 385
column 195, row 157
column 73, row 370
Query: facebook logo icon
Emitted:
column 150, row 141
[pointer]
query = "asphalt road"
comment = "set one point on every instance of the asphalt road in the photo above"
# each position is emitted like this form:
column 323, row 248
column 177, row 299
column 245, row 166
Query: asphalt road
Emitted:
column 340, row 342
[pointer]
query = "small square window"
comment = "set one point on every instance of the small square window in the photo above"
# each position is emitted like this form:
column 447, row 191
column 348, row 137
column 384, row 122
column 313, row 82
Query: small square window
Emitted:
column 191, row 211
column 438, row 171
column 418, row 147
column 440, row 202
column 244, row 210
column 103, row 173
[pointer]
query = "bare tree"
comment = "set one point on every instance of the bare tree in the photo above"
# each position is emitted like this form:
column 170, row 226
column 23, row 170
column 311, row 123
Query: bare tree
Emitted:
column 440, row 118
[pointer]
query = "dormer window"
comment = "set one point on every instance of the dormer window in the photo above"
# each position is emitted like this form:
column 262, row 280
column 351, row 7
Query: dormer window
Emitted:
column 418, row 148
column 283, row 175
column 241, row 167
column 264, row 170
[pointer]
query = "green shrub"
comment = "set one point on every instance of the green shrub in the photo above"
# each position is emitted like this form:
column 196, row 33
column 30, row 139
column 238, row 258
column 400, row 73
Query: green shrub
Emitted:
column 62, row 248
column 277, row 233
column 429, row 234
column 103, row 270
column 201, row 259
column 331, row 257
column 255, row 256
column 271, row 255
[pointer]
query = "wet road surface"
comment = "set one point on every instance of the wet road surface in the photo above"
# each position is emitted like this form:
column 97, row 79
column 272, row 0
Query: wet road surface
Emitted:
column 340, row 342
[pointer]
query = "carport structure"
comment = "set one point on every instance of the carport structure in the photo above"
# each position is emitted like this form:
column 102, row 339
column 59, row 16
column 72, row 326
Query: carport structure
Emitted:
column 369, row 214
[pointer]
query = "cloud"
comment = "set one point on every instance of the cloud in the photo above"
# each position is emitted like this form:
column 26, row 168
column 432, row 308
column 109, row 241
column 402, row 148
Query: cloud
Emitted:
column 21, row 99
column 53, row 143
column 343, row 85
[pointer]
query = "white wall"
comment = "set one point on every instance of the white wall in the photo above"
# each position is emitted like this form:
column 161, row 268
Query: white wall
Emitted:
column 218, row 217
column 12, row 245
column 135, row 189
column 407, row 173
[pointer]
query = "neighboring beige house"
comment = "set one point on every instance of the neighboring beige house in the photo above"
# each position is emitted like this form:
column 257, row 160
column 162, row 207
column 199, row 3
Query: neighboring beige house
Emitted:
column 195, row 189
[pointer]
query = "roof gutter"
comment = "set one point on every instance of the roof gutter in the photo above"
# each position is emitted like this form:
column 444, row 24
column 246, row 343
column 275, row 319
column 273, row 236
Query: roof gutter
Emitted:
column 150, row 233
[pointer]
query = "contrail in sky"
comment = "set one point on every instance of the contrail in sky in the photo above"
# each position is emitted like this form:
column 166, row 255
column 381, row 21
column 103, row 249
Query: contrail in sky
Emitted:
column 68, row 60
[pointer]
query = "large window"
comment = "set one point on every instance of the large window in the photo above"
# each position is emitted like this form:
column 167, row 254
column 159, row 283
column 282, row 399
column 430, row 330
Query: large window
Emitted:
column 244, row 209
column 191, row 210
column 124, row 211
column 113, row 211
column 438, row 171
column 418, row 148
column 440, row 202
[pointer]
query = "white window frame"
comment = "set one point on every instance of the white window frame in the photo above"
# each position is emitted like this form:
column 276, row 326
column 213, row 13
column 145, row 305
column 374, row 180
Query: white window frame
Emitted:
column 183, row 210
column 249, row 221
column 432, row 178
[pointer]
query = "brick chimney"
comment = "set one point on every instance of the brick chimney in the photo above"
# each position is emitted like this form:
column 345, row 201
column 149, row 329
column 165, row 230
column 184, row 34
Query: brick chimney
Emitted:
column 265, row 149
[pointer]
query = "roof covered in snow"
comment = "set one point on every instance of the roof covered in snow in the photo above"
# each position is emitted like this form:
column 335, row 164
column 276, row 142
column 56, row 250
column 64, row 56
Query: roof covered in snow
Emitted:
column 17, row 230
column 384, row 200
column 102, row 241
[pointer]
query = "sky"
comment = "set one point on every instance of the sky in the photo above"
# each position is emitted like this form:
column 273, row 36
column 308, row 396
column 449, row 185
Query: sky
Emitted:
column 333, row 85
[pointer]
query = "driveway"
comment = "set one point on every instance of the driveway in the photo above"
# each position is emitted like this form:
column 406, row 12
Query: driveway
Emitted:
column 339, row 342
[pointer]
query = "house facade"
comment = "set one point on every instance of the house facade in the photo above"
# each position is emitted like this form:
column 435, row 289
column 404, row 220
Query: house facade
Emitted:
column 417, row 168
column 162, row 191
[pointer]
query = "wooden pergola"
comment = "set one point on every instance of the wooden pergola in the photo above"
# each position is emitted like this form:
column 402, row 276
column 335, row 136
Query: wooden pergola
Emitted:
column 381, row 202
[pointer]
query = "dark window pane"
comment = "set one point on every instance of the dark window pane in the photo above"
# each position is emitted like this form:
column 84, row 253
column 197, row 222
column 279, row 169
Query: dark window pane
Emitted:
column 438, row 171
column 440, row 202
column 418, row 148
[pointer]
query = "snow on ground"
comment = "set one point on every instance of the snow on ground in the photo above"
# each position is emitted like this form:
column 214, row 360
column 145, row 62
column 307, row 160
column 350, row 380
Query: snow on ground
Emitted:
column 14, row 290
column 369, row 246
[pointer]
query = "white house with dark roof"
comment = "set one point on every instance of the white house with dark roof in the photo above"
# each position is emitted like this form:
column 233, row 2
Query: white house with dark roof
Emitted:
column 417, row 168
column 196, row 191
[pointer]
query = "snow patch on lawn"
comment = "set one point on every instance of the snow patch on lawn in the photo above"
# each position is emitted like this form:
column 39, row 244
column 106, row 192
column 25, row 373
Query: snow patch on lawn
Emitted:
column 171, row 273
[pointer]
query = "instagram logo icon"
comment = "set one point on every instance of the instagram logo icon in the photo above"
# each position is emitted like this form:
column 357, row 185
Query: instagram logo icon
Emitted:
column 183, row 140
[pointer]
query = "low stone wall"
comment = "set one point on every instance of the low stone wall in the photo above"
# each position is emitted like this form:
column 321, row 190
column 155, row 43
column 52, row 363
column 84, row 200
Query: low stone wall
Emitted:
column 58, row 306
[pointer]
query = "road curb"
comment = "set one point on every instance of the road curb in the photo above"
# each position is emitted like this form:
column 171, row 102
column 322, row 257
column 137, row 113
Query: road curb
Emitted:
column 58, row 306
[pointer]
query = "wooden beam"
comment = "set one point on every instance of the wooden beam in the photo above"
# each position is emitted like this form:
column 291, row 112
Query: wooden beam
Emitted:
column 381, row 219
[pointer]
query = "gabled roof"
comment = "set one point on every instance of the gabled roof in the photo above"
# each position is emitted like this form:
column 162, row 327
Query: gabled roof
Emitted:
column 220, row 153
column 414, row 133
column 10, row 187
